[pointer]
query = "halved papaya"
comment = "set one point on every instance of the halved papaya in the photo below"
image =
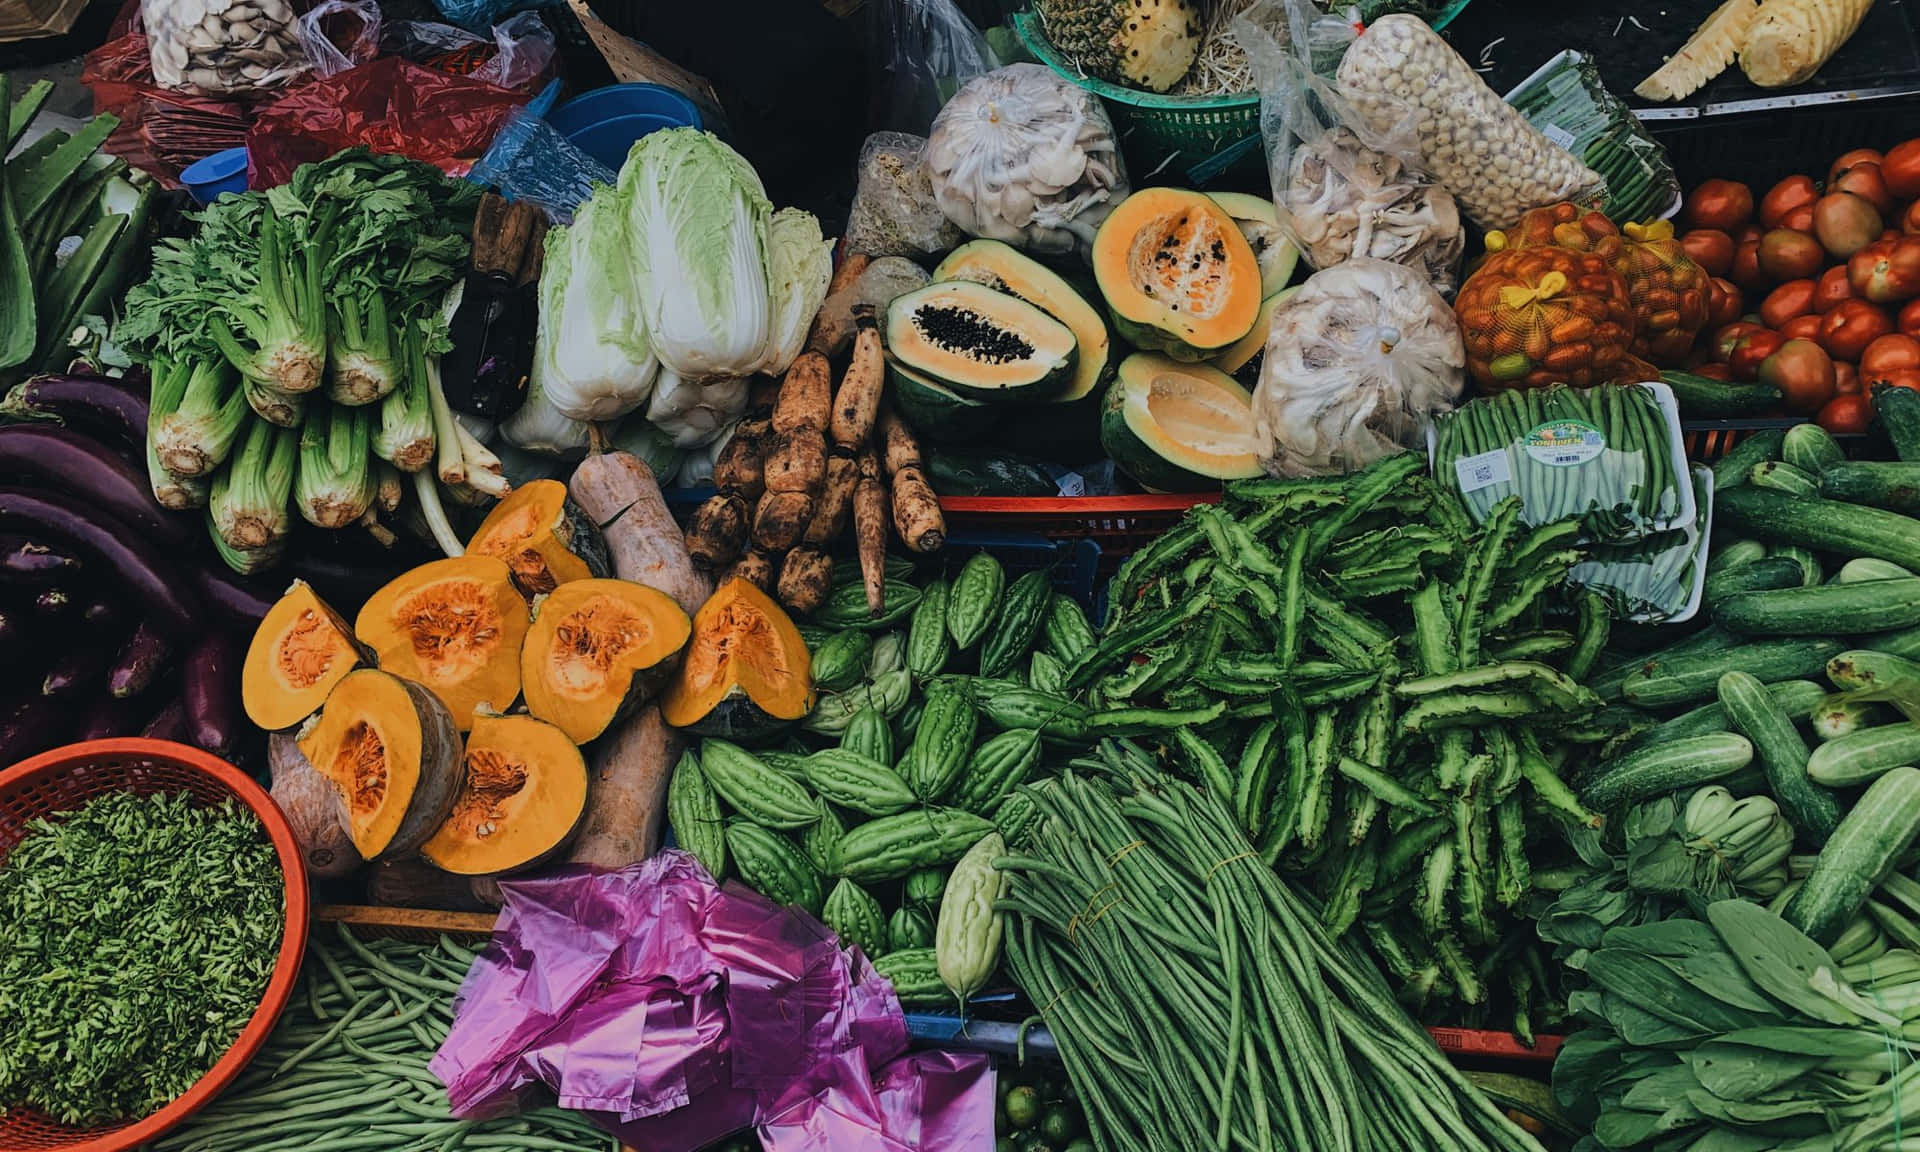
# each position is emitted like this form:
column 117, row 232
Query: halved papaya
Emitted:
column 301, row 649
column 1006, row 269
column 981, row 343
column 455, row 626
column 1178, row 275
column 596, row 648
column 525, row 795
column 1177, row 427
column 390, row 751
column 543, row 536
column 746, row 672
column 1259, row 222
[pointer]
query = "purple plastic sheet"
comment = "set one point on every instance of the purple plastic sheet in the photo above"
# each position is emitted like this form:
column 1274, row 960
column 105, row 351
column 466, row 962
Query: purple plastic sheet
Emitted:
column 675, row 1012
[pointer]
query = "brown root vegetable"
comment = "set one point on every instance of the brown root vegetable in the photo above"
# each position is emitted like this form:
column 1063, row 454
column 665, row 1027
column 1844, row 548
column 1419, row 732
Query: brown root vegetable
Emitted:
column 916, row 511
column 806, row 579
column 899, row 449
column 718, row 532
column 627, row 793
column 741, row 469
column 780, row 520
column 870, row 529
column 312, row 808
column 798, row 462
column 824, row 334
column 835, row 502
column 411, row 882
column 806, row 396
column 619, row 492
column 857, row 403
column 756, row 568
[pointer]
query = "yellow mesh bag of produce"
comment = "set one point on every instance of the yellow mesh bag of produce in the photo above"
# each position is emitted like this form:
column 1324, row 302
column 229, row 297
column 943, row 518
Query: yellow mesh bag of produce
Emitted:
column 1532, row 317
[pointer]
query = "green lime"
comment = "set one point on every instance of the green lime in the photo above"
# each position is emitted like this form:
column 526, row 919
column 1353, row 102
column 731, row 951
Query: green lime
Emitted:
column 1060, row 1124
column 1023, row 1106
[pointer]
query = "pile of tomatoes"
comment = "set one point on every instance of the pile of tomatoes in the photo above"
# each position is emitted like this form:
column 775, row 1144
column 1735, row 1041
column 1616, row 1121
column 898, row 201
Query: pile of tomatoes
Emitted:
column 1816, row 287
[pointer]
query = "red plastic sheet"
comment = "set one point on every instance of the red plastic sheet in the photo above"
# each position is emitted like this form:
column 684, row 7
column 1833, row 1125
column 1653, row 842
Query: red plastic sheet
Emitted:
column 161, row 131
column 389, row 105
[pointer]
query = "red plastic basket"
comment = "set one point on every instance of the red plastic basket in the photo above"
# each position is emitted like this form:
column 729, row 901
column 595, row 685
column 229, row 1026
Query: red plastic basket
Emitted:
column 1121, row 525
column 64, row 779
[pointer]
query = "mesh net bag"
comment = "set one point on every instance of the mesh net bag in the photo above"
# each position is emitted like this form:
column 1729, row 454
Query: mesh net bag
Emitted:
column 1545, row 315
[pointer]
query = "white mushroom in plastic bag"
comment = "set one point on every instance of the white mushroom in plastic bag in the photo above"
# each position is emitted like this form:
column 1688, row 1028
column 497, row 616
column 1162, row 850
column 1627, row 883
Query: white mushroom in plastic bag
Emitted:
column 1357, row 361
column 1345, row 200
column 1028, row 157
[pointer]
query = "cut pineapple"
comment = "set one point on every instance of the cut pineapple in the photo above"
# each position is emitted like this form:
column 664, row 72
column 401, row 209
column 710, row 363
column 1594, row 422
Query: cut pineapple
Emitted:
column 1706, row 54
column 1790, row 39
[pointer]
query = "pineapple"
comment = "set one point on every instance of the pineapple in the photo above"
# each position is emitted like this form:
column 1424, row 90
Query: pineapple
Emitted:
column 1147, row 44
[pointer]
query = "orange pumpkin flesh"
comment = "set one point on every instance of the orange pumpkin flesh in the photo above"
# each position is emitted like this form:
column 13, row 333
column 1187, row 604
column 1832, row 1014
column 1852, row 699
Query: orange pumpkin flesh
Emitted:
column 591, row 644
column 543, row 536
column 298, row 653
column 525, row 794
column 746, row 670
column 455, row 626
column 391, row 753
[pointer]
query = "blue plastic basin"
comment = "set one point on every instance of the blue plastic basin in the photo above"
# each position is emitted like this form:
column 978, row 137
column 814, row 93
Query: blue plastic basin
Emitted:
column 211, row 177
column 605, row 122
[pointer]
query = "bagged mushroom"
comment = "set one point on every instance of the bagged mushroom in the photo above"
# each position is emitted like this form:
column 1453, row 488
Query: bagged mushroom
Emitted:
column 1357, row 361
column 1027, row 157
column 1343, row 191
column 219, row 46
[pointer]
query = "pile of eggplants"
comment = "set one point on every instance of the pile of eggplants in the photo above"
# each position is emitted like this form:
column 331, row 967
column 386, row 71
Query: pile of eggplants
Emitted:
column 116, row 619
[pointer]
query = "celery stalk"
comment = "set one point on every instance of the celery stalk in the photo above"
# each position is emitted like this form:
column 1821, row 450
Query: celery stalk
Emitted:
column 333, row 483
column 286, row 409
column 249, row 498
column 360, row 349
column 194, row 438
column 438, row 525
column 405, row 437
column 388, row 487
column 170, row 382
column 245, row 561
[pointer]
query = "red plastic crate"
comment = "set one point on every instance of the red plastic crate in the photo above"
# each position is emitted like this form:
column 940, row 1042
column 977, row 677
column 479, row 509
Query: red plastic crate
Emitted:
column 1121, row 525
column 1495, row 1045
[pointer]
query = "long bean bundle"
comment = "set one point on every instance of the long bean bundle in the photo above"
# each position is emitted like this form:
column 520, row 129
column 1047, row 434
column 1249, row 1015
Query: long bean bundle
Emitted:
column 1197, row 1000
column 346, row 1068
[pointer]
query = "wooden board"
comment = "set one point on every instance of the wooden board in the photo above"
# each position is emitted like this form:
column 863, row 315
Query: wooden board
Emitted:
column 406, row 923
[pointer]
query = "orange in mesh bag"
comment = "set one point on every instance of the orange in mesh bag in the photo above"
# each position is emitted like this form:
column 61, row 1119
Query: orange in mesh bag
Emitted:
column 1546, row 315
column 1669, row 291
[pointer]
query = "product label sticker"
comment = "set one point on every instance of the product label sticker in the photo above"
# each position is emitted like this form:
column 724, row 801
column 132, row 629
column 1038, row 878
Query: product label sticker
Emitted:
column 1558, row 135
column 1564, row 443
column 1483, row 471
column 1072, row 484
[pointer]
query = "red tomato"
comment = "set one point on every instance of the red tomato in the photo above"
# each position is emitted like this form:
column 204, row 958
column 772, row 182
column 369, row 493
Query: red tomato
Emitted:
column 1800, row 219
column 1805, row 327
column 1845, row 223
column 1910, row 223
column 1846, row 414
column 1746, row 266
column 1723, row 204
column 1724, row 303
column 1849, row 159
column 1753, row 350
column 1784, row 197
column 1886, row 271
column 1846, row 378
column 1712, row 371
column 1903, row 378
column 1888, row 354
column 1864, row 180
column 1803, row 372
column 1909, row 318
column 1789, row 255
column 1710, row 248
column 1832, row 287
column 1727, row 338
column 1901, row 170
column 1794, row 298
column 1851, row 325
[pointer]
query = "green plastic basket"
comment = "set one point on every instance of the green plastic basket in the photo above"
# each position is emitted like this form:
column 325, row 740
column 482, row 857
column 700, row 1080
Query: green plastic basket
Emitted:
column 1206, row 137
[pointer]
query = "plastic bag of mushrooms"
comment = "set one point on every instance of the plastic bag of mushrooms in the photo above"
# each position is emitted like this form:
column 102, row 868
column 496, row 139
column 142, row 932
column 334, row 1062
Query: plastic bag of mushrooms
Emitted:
column 222, row 46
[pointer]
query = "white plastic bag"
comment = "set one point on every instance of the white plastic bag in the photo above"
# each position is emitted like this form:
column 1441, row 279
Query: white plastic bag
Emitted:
column 929, row 49
column 219, row 46
column 1357, row 361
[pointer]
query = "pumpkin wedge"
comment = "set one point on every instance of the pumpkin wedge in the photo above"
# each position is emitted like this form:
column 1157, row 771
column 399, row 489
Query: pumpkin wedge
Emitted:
column 747, row 670
column 391, row 752
column 525, row 795
column 543, row 536
column 301, row 649
column 455, row 626
column 589, row 654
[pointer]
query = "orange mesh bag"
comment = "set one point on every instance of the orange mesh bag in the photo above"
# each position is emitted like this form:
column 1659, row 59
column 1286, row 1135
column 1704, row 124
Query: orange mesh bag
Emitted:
column 1546, row 315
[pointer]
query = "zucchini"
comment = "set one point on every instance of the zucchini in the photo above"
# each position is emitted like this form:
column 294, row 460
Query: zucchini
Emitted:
column 1735, row 554
column 1700, row 397
column 1811, row 571
column 1784, row 477
column 1865, row 569
column 1695, row 676
column 1812, row 449
column 1876, row 833
column 1730, row 471
column 1783, row 755
column 1859, row 757
column 1823, row 609
column 1663, row 768
column 1882, row 484
column 1868, row 668
column 1821, row 525
column 1899, row 415
column 1769, row 573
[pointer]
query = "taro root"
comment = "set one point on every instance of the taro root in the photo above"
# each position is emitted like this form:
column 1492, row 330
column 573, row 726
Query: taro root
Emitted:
column 312, row 809
column 597, row 648
column 391, row 753
column 544, row 537
column 301, row 649
column 747, row 670
column 455, row 626
column 525, row 794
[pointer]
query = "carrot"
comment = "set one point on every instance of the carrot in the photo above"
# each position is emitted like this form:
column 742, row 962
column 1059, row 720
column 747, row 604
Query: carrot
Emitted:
column 627, row 793
column 858, row 401
column 822, row 337
column 836, row 500
column 870, row 529
column 806, row 579
column 619, row 492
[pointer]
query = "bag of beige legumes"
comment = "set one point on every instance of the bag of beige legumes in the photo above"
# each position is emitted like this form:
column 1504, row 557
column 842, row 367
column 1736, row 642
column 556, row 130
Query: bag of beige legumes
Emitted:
column 222, row 46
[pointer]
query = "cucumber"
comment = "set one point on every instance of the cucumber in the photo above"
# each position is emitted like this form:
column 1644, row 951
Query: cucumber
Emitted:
column 1783, row 755
column 1811, row 570
column 1730, row 471
column 1695, row 676
column 1662, row 768
column 1846, row 761
column 1900, row 416
column 1823, row 610
column 1865, row 569
column 1812, row 449
column 1762, row 575
column 1868, row 668
column 1893, row 486
column 1876, row 833
column 1735, row 554
column 1781, row 476
column 1793, row 697
column 1821, row 525
column 1702, row 396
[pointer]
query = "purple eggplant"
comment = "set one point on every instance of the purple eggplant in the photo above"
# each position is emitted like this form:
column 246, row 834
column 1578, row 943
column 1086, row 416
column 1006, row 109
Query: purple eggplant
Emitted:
column 97, row 404
column 73, row 671
column 170, row 723
column 110, row 716
column 231, row 599
column 29, row 563
column 208, row 680
column 137, row 563
column 29, row 727
column 73, row 464
column 145, row 653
